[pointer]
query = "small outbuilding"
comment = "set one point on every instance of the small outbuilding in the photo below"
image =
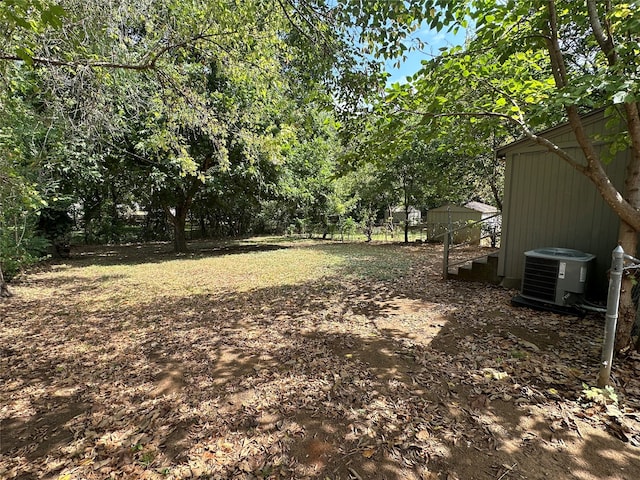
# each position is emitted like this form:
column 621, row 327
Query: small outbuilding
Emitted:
column 399, row 215
column 547, row 203
column 438, row 220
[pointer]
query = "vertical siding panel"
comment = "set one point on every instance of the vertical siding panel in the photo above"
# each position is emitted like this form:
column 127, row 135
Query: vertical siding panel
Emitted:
column 552, row 197
column 524, row 211
column 573, row 228
column 565, row 205
column 510, row 228
column 535, row 174
column 506, row 212
column 561, row 178
column 538, row 209
column 549, row 215
column 516, row 216
column 600, row 232
column 543, row 209
column 534, row 180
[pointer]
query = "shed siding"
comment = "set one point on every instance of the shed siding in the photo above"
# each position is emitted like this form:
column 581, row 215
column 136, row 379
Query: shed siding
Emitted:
column 438, row 223
column 505, row 235
column 459, row 215
column 550, row 204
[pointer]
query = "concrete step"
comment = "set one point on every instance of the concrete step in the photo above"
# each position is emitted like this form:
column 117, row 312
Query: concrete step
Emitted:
column 480, row 270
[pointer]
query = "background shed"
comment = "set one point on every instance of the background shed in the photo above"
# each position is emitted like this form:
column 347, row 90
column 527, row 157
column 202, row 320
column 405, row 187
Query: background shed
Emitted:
column 438, row 221
column 547, row 203
column 398, row 214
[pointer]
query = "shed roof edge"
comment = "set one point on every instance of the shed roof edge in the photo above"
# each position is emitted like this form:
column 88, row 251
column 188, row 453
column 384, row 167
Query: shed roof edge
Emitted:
column 546, row 132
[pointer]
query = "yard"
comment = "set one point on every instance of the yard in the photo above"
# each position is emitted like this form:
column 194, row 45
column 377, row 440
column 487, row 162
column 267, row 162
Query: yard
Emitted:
column 291, row 360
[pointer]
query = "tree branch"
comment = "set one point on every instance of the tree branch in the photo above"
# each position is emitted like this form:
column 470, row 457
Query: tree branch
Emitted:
column 633, row 168
column 293, row 24
column 604, row 39
column 326, row 44
column 542, row 141
column 555, row 53
column 54, row 62
column 148, row 63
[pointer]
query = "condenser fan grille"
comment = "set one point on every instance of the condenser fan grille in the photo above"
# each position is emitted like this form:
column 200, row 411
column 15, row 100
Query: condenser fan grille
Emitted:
column 540, row 278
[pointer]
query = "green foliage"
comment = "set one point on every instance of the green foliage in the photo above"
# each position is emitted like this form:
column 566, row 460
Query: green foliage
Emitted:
column 601, row 396
column 32, row 15
column 424, row 175
column 15, row 256
column 19, row 244
column 519, row 354
column 186, row 109
column 505, row 71
column 23, row 189
column 348, row 226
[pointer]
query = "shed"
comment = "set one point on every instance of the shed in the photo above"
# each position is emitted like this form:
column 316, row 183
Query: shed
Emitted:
column 398, row 215
column 547, row 203
column 489, row 213
column 438, row 221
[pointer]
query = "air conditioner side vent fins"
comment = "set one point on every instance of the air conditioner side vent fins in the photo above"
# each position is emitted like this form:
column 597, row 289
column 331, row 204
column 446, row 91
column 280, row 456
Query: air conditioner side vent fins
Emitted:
column 540, row 278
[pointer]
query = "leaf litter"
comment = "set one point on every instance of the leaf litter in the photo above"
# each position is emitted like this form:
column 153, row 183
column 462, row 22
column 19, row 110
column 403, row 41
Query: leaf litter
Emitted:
column 361, row 363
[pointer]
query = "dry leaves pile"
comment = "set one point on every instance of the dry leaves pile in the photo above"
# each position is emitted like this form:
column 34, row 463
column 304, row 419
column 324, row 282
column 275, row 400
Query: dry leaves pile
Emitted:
column 368, row 367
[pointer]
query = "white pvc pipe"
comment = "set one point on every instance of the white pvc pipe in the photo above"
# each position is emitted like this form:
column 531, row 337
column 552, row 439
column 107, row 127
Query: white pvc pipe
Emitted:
column 613, row 301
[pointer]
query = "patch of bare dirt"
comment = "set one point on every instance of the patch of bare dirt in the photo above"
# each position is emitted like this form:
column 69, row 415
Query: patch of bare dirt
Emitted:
column 340, row 378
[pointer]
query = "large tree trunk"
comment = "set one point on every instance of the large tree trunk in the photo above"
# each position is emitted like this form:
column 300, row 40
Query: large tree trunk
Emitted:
column 628, row 239
column 628, row 235
column 406, row 229
column 407, row 186
column 179, row 219
column 180, row 236
column 625, row 206
column 179, row 222
column 180, row 239
column 4, row 288
column 203, row 226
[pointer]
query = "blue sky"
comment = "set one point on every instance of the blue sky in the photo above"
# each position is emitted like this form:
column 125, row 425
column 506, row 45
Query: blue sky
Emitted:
column 432, row 42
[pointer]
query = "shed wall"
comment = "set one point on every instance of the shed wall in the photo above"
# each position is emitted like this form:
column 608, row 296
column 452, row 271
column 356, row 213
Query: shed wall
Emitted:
column 438, row 223
column 549, row 204
column 457, row 216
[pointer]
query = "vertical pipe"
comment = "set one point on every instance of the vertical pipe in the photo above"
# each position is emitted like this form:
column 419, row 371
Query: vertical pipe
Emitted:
column 613, row 300
column 447, row 239
column 445, row 257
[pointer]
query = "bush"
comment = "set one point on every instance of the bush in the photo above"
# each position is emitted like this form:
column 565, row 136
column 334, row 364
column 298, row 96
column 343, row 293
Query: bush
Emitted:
column 15, row 257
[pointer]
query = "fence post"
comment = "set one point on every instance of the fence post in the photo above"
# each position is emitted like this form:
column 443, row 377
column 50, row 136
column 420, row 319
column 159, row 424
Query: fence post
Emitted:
column 613, row 300
column 447, row 239
column 445, row 257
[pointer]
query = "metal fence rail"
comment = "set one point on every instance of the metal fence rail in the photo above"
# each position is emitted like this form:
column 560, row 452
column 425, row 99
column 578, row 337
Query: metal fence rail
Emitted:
column 447, row 236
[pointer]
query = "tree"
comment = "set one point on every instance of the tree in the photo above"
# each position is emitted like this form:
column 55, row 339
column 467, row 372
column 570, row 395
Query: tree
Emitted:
column 531, row 64
column 140, row 75
column 24, row 140
column 400, row 162
column 19, row 138
column 408, row 175
column 20, row 246
column 173, row 85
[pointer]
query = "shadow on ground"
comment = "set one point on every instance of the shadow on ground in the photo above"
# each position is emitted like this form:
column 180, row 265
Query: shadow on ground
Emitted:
column 365, row 373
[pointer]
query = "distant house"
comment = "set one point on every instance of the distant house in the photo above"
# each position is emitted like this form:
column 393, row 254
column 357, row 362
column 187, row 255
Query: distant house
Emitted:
column 438, row 220
column 547, row 203
column 398, row 215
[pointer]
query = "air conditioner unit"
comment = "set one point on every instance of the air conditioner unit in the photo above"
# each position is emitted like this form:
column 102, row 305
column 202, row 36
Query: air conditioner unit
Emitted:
column 556, row 276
